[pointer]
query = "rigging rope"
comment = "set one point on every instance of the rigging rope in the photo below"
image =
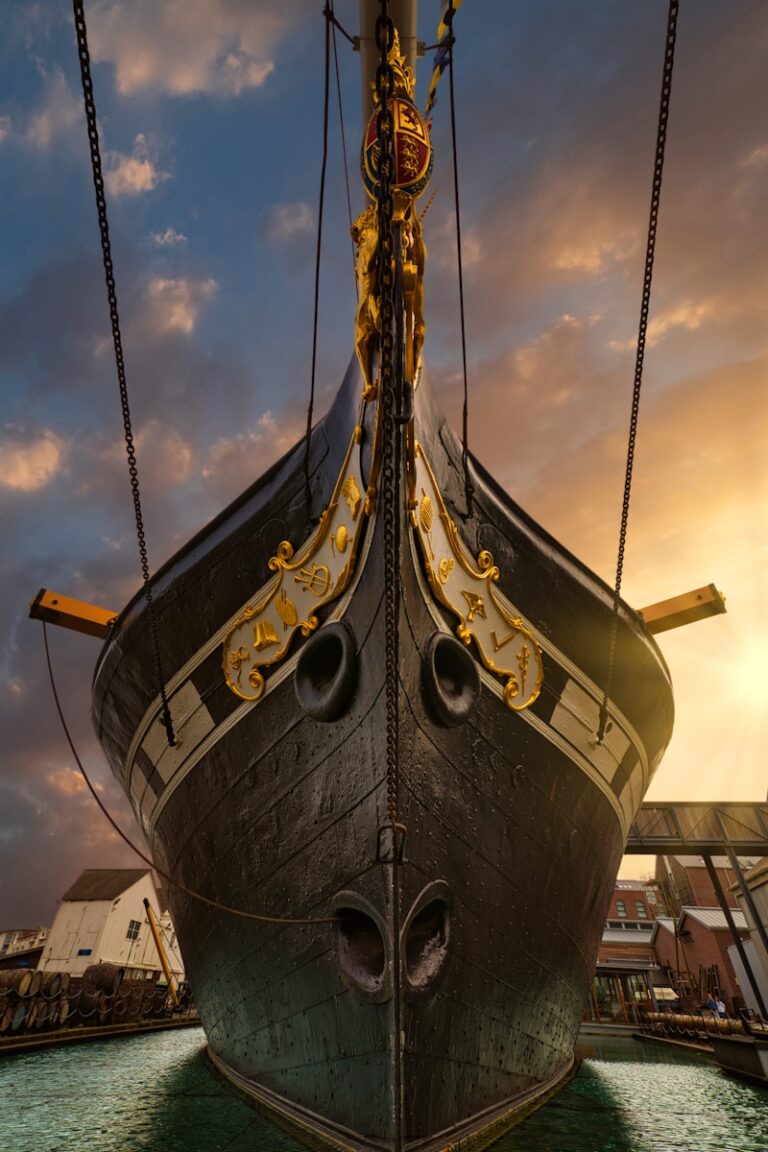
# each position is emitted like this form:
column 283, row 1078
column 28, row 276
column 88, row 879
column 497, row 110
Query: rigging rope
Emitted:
column 310, row 408
column 344, row 145
column 106, row 248
column 142, row 855
column 468, row 489
column 658, row 168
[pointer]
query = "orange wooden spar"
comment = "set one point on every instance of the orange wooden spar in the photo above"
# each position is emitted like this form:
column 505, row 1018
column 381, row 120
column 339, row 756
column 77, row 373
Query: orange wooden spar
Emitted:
column 70, row 613
column 683, row 609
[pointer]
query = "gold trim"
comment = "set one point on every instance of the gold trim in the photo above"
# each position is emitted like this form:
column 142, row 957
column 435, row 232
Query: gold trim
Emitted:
column 467, row 588
column 305, row 581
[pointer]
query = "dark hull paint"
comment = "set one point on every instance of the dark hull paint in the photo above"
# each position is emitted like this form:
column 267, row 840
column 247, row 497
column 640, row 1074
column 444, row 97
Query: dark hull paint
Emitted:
column 280, row 816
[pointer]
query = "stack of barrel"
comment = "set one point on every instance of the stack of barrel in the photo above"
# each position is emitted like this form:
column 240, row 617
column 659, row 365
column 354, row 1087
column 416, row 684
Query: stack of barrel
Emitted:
column 31, row 1001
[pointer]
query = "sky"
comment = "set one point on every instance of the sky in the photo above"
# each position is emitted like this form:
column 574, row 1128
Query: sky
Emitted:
column 210, row 118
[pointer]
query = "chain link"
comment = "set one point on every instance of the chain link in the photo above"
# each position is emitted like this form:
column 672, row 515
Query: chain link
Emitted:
column 106, row 248
column 390, row 431
column 658, row 169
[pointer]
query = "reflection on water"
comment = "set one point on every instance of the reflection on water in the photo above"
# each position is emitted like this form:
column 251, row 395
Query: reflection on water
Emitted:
column 158, row 1094
column 631, row 1096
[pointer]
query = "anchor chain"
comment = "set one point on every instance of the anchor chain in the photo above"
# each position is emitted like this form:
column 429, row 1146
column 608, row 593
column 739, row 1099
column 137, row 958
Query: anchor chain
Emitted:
column 109, row 273
column 390, row 432
column 653, row 222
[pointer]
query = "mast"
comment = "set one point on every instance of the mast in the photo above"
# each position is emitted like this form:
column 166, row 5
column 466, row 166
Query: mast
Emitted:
column 404, row 16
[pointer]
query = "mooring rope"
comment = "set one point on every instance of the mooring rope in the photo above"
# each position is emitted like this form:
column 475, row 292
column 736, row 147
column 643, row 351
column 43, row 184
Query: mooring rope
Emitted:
column 142, row 855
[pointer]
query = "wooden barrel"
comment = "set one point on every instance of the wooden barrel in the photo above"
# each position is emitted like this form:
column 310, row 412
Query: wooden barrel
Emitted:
column 103, row 978
column 51, row 986
column 31, row 1017
column 135, row 1005
column 19, row 980
column 35, row 983
column 104, row 1007
column 19, row 1015
column 64, row 982
column 88, row 1005
column 5, row 1019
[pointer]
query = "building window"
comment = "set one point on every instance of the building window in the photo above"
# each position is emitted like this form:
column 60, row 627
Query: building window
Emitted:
column 133, row 930
column 640, row 909
column 621, row 908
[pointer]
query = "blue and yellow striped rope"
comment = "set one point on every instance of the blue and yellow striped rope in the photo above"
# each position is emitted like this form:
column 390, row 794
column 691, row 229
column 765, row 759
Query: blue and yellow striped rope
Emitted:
column 441, row 54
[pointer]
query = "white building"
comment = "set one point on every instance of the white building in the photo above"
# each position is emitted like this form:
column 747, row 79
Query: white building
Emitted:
column 102, row 920
column 21, row 939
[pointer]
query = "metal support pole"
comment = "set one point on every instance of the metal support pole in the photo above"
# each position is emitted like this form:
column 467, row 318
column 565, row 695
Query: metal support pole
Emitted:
column 746, row 890
column 735, row 934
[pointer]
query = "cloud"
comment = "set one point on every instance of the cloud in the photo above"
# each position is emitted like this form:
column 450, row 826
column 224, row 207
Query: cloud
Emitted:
column 757, row 157
column 285, row 221
column 229, row 461
column 164, row 456
column 555, row 391
column 698, row 460
column 6, row 125
column 58, row 112
column 593, row 258
column 688, row 316
column 168, row 238
column 132, row 175
column 442, row 236
column 29, row 462
column 175, row 304
column 183, row 47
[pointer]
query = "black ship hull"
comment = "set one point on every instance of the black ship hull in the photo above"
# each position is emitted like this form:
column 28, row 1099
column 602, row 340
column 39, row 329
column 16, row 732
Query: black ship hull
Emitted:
column 446, row 993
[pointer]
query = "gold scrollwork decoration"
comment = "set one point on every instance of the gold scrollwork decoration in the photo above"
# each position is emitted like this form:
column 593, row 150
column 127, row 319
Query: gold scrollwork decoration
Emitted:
column 322, row 568
column 467, row 587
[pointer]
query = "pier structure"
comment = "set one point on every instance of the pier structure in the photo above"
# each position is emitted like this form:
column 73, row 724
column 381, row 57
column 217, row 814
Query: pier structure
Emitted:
column 709, row 829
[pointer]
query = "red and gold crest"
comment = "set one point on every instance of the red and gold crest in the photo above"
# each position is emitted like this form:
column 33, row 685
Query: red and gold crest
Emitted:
column 413, row 150
column 413, row 147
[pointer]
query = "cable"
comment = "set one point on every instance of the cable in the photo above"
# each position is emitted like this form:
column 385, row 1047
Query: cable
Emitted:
column 344, row 146
column 142, row 856
column 468, row 489
column 106, row 249
column 658, row 169
column 310, row 408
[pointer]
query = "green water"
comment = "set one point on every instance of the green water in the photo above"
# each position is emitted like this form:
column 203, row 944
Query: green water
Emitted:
column 158, row 1094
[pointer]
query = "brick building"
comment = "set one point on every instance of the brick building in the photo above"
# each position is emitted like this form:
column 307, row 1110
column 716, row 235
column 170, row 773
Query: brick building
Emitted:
column 627, row 977
column 684, row 881
column 696, row 955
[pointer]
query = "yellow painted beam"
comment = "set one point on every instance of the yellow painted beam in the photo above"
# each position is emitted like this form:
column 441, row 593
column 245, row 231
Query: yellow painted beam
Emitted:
column 152, row 920
column 69, row 613
column 684, row 609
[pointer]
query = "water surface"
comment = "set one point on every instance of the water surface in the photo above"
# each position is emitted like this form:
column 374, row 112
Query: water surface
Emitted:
column 157, row 1093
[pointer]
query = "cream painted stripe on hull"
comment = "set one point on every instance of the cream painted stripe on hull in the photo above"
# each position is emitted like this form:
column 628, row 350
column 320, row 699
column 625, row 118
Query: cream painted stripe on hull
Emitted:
column 620, row 722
